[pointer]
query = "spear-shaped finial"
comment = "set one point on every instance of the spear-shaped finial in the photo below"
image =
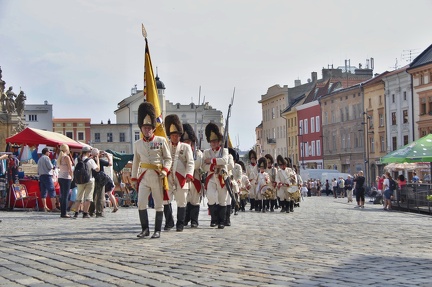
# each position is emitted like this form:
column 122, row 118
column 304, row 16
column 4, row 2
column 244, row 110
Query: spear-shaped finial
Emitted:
column 144, row 32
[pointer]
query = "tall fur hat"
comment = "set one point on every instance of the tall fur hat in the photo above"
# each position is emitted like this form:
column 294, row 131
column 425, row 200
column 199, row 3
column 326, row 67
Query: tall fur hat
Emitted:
column 146, row 115
column 262, row 162
column 234, row 154
column 242, row 165
column 188, row 133
column 252, row 153
column 289, row 162
column 173, row 125
column 281, row 161
column 212, row 132
column 269, row 157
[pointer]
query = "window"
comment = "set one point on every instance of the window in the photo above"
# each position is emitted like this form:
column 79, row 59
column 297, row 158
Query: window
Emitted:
column 393, row 118
column 306, row 146
column 69, row 135
column 381, row 120
column 394, row 143
column 405, row 139
column 109, row 137
column 312, row 125
column 393, row 98
column 333, row 118
column 343, row 141
column 306, row 126
column 382, row 144
column 372, row 144
column 318, row 147
column 178, row 106
column 80, row 136
column 301, row 150
column 325, row 118
column 347, row 113
column 97, row 137
column 32, row 118
column 136, row 135
column 404, row 95
column 370, row 103
column 422, row 108
column 273, row 113
column 301, row 127
column 122, row 137
column 334, row 141
column 313, row 148
column 341, row 115
column 380, row 100
column 317, row 124
column 405, row 116
column 348, row 140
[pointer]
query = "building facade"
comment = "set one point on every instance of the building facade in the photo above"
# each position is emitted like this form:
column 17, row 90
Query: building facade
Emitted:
column 75, row 128
column 39, row 116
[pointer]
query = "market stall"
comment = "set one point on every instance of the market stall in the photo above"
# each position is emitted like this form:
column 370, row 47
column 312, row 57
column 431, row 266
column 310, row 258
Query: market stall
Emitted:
column 33, row 138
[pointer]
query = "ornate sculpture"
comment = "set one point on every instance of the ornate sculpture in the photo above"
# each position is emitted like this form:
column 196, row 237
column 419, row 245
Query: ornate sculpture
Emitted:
column 19, row 103
column 10, row 100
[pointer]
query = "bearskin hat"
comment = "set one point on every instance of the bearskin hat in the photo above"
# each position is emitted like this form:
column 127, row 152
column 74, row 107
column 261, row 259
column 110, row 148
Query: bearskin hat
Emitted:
column 262, row 162
column 289, row 162
column 234, row 154
column 173, row 125
column 188, row 133
column 252, row 153
column 269, row 157
column 281, row 161
column 212, row 132
column 146, row 115
column 242, row 165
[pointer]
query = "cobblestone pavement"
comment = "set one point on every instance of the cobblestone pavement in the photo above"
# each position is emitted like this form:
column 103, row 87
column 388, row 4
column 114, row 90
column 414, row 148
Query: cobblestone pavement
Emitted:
column 325, row 242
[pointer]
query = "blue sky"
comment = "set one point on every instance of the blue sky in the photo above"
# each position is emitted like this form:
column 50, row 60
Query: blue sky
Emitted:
column 85, row 56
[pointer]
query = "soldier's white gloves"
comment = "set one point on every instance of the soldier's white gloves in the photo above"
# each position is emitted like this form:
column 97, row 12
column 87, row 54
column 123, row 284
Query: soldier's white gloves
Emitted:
column 162, row 174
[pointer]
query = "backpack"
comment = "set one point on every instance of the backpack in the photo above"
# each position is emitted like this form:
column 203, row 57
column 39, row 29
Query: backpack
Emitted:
column 392, row 185
column 82, row 172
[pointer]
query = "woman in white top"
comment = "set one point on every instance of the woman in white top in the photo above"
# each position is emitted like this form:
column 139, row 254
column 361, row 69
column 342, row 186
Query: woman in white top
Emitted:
column 64, row 162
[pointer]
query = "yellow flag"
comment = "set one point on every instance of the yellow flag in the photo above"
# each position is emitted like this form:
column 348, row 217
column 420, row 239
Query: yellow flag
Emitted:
column 150, row 91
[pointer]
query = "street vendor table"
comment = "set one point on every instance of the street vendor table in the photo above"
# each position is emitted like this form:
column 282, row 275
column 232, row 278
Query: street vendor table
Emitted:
column 32, row 186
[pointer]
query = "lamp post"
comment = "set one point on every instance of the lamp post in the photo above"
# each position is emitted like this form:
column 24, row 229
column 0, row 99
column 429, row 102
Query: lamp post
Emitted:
column 302, row 148
column 366, row 122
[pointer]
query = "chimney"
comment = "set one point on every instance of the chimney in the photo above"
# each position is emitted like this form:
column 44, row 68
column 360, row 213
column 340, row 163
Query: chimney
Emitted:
column 297, row 83
column 314, row 76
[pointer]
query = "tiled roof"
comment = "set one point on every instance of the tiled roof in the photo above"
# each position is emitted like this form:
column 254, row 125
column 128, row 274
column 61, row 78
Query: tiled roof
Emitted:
column 424, row 58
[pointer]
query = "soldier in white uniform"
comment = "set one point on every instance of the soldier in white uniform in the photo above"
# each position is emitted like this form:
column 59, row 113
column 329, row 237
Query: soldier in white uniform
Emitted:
column 181, row 173
column 151, row 163
column 272, row 171
column 232, row 159
column 195, row 187
column 263, row 185
column 286, row 178
column 215, row 164
column 252, row 172
column 244, row 186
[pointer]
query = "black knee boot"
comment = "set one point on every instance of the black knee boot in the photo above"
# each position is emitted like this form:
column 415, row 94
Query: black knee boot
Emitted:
column 213, row 215
column 169, row 220
column 181, row 213
column 282, row 205
column 252, row 204
column 144, row 223
column 287, row 206
column 272, row 205
column 188, row 214
column 264, row 201
column 222, row 216
column 227, row 221
column 158, row 224
column 292, row 205
column 194, row 213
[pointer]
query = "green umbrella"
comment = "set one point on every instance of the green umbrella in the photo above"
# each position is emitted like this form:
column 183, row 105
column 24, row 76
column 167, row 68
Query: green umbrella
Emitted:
column 120, row 159
column 417, row 151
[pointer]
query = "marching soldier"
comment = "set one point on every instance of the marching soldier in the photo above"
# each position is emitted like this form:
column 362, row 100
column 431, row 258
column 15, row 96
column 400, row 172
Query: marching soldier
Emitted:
column 285, row 178
column 252, row 173
column 181, row 172
column 151, row 163
column 215, row 164
column 195, row 188
column 244, row 186
column 263, row 185
column 272, row 171
column 232, row 159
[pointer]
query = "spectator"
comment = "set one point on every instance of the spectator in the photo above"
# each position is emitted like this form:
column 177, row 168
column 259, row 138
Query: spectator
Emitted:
column 360, row 190
column 380, row 182
column 327, row 187
column 304, row 191
column 46, row 183
column 341, row 187
column 349, row 188
column 64, row 178
column 335, row 187
column 101, row 179
column 388, row 193
column 415, row 178
column 402, row 181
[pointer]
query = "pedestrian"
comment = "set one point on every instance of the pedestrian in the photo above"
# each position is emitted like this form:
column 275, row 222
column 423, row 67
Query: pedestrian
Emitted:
column 349, row 188
column 341, row 187
column 181, row 172
column 304, row 190
column 380, row 182
column 327, row 187
column 415, row 178
column 215, row 165
column 196, row 190
column 360, row 190
column 101, row 179
column 85, row 188
column 150, row 166
column 65, row 164
column 46, row 183
column 252, row 173
column 335, row 187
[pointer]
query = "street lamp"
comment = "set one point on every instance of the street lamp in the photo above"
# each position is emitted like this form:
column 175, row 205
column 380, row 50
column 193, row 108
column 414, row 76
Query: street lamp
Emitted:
column 302, row 147
column 366, row 122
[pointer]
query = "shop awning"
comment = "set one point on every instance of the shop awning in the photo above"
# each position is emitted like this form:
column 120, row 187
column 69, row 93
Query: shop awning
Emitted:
column 34, row 137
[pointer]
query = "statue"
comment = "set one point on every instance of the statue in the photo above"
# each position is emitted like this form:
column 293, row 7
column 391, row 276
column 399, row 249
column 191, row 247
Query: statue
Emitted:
column 19, row 103
column 10, row 100
column 2, row 95
column 20, row 126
